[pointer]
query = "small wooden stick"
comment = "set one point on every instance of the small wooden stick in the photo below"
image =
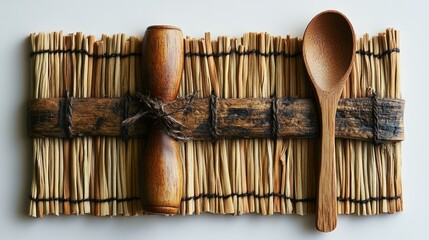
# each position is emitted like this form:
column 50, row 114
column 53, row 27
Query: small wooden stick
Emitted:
column 67, row 154
column 212, row 66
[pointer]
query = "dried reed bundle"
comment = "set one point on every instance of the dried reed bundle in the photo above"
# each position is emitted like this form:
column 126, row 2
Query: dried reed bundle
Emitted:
column 369, row 173
column 279, row 176
column 99, row 175
column 84, row 175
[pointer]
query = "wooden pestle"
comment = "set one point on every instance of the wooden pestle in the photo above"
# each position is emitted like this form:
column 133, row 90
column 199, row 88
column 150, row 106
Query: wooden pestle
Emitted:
column 161, row 165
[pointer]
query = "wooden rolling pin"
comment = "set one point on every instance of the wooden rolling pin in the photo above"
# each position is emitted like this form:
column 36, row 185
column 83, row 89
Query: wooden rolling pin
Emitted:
column 161, row 164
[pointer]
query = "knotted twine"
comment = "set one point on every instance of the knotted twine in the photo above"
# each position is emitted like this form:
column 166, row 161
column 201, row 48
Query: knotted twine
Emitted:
column 154, row 109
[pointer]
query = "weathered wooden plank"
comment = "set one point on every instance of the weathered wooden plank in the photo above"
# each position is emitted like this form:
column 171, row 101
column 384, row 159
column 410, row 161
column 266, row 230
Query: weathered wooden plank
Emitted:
column 236, row 118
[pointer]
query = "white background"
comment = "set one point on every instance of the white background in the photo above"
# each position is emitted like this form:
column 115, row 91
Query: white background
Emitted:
column 19, row 18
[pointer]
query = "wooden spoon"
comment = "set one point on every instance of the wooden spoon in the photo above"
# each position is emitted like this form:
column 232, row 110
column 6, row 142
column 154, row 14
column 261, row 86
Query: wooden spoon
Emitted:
column 329, row 51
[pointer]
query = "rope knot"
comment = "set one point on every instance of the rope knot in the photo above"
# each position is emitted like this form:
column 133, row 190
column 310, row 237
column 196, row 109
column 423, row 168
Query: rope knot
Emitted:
column 152, row 108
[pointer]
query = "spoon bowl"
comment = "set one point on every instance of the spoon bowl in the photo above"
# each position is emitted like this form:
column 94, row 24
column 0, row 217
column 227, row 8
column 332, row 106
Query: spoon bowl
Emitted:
column 329, row 52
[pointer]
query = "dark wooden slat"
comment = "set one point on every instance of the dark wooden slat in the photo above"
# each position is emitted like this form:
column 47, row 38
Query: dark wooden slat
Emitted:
column 237, row 118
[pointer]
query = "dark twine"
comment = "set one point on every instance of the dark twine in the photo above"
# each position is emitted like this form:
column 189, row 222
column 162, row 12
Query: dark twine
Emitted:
column 213, row 116
column 275, row 117
column 127, row 103
column 198, row 54
column 77, row 201
column 84, row 52
column 154, row 109
column 68, row 118
column 283, row 53
column 375, row 117
column 216, row 196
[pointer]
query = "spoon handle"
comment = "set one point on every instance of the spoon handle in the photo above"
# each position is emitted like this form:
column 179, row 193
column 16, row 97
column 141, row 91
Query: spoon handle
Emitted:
column 327, row 198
